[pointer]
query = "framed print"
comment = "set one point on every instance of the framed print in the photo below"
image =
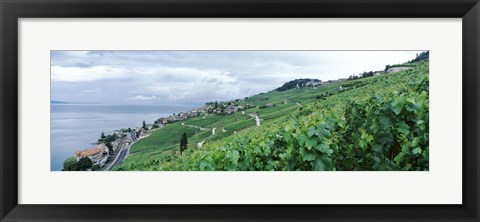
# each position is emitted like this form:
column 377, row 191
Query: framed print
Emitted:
column 311, row 110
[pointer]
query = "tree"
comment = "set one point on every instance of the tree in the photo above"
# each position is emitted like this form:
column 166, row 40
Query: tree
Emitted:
column 83, row 164
column 183, row 143
column 421, row 56
column 102, row 136
column 387, row 67
column 216, row 105
column 69, row 164
column 96, row 167
column 110, row 148
column 144, row 126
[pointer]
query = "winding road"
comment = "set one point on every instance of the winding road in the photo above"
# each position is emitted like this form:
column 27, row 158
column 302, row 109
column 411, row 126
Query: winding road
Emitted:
column 123, row 153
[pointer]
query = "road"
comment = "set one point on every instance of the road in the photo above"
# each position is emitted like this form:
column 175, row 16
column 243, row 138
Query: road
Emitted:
column 124, row 151
column 120, row 158
column 201, row 128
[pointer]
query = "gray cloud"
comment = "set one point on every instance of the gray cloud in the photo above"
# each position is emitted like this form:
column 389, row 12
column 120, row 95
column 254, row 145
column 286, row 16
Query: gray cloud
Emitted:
column 194, row 77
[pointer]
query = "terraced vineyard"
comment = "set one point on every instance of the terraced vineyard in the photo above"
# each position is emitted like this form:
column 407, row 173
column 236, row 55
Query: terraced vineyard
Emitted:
column 374, row 123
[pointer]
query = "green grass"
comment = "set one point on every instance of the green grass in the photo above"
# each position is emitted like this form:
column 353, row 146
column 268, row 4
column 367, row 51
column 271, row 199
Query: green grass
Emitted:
column 163, row 138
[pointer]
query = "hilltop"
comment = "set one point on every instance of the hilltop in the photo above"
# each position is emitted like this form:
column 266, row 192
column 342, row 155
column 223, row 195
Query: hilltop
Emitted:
column 300, row 83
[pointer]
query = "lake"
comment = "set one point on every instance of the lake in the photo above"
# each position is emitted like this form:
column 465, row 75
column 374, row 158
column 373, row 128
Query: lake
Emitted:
column 75, row 126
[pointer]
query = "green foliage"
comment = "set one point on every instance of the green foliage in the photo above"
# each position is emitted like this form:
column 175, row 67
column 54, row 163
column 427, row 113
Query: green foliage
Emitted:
column 110, row 147
column 69, row 164
column 96, row 167
column 421, row 56
column 107, row 139
column 83, row 163
column 183, row 143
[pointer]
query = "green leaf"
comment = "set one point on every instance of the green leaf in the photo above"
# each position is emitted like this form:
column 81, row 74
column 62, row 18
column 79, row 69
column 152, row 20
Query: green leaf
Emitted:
column 377, row 148
column 311, row 142
column 417, row 150
column 311, row 131
column 397, row 109
column 322, row 132
column 404, row 131
column 323, row 163
column 397, row 105
column 307, row 156
column 363, row 144
column 318, row 165
column 403, row 128
column 302, row 139
column 235, row 156
column 204, row 165
column 324, row 148
column 327, row 162
column 289, row 127
column 399, row 158
column 386, row 122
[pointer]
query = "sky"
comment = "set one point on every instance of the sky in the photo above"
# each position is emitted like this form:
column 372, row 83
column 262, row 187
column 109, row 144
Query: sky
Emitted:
column 196, row 77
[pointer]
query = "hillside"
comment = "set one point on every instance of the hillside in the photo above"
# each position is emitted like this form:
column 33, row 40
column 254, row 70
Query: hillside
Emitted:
column 374, row 123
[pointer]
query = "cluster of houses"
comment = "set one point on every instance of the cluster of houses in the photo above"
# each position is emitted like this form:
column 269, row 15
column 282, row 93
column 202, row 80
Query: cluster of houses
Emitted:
column 229, row 108
column 184, row 115
column 315, row 82
column 98, row 154
column 334, row 81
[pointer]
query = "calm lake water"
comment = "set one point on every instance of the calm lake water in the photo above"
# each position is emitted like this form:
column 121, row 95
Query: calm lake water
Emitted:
column 74, row 127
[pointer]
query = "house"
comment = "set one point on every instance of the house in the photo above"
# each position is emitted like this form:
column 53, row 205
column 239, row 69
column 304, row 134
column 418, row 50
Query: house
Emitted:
column 98, row 154
column 398, row 69
column 164, row 121
column 376, row 73
column 313, row 83
column 149, row 126
column 231, row 109
column 269, row 105
column 117, row 133
column 202, row 109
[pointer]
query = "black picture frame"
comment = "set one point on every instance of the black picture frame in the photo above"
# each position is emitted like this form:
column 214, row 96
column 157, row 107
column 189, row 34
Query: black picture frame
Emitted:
column 12, row 10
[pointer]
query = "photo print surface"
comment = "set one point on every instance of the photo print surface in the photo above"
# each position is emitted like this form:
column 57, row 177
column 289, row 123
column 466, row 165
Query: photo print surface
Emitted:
column 239, row 110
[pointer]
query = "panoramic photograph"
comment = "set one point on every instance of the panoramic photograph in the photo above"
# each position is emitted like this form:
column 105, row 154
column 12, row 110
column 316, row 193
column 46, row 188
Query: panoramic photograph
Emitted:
column 157, row 110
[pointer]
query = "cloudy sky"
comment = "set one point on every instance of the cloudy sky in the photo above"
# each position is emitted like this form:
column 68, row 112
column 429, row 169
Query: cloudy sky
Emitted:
column 195, row 77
